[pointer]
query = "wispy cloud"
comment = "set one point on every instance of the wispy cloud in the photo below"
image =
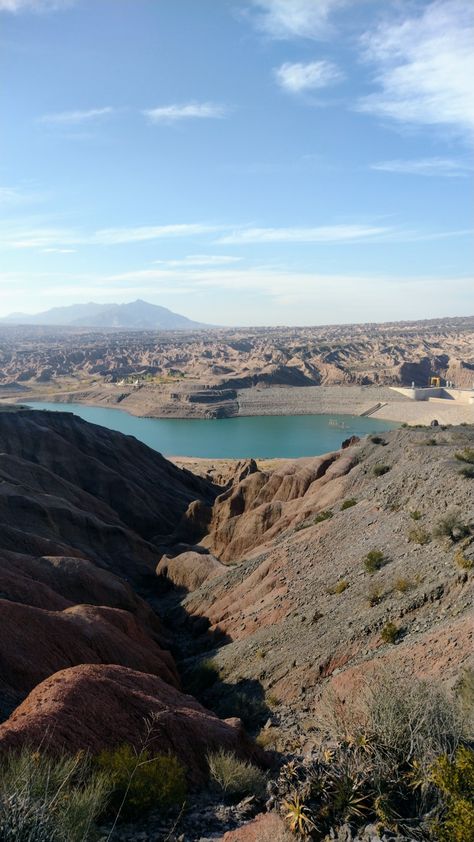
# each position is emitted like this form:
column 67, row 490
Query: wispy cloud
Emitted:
column 444, row 167
column 295, row 296
column 298, row 77
column 186, row 111
column 58, row 239
column 424, row 67
column 19, row 196
column 58, row 251
column 76, row 117
column 319, row 234
column 201, row 260
column 116, row 236
column 286, row 19
column 51, row 239
column 34, row 5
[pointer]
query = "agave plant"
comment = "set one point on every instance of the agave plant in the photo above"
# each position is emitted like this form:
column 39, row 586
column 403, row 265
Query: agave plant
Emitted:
column 298, row 816
column 349, row 796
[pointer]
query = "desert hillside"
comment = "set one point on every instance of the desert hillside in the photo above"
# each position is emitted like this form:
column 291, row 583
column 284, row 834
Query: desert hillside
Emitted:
column 217, row 373
column 130, row 588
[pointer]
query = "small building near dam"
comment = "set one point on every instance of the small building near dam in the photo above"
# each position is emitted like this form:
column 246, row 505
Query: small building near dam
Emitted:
column 436, row 393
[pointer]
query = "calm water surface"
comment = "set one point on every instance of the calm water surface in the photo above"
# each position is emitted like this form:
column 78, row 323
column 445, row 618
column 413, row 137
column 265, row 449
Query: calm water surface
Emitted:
column 234, row 438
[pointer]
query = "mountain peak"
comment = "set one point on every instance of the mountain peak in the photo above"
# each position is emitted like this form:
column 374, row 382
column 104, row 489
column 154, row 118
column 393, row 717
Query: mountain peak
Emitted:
column 134, row 315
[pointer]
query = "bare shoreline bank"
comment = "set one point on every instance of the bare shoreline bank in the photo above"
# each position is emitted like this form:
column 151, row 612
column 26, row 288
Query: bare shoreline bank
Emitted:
column 380, row 402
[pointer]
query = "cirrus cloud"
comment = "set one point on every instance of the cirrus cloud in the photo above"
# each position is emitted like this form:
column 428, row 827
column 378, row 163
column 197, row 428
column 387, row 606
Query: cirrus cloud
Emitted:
column 34, row 5
column 286, row 19
column 76, row 117
column 424, row 67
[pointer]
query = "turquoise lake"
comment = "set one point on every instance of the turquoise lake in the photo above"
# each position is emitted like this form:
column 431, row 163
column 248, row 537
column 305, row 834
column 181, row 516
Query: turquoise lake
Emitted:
column 233, row 438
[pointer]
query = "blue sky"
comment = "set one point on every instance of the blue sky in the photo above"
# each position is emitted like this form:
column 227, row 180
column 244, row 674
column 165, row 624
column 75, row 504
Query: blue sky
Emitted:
column 239, row 161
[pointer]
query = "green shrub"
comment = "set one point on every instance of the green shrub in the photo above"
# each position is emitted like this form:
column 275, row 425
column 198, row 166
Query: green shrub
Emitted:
column 374, row 560
column 466, row 455
column 451, row 526
column 347, row 504
column 233, row 776
column 389, row 633
column 454, row 778
column 380, row 470
column 140, row 781
column 415, row 515
column 467, row 472
column 419, row 536
column 49, row 800
column 326, row 515
column 377, row 440
column 251, row 709
column 201, row 677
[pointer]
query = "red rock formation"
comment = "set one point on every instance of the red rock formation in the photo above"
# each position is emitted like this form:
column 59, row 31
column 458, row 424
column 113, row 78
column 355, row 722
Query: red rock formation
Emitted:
column 36, row 643
column 190, row 569
column 95, row 706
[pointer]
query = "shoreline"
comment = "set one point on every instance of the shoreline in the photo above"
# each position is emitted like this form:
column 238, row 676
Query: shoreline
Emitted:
column 378, row 402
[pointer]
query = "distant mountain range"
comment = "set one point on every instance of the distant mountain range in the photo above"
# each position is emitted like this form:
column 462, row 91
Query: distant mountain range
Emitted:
column 136, row 315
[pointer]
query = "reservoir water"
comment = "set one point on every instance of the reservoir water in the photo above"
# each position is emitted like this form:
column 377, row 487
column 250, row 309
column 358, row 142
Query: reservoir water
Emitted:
column 267, row 436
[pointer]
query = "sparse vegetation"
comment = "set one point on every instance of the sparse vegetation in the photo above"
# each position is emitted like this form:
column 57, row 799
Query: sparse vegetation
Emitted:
column 233, row 776
column 462, row 560
column 389, row 633
column 466, row 455
column 272, row 700
column 321, row 516
column 467, row 472
column 347, row 504
column 49, row 800
column 375, row 597
column 415, row 515
column 403, row 585
column 418, row 535
column 380, row 470
column 454, row 779
column 430, row 442
column 266, row 738
column 451, row 526
column 374, row 560
column 377, row 440
column 379, row 763
column 202, row 677
column 246, row 705
column 339, row 587
column 141, row 781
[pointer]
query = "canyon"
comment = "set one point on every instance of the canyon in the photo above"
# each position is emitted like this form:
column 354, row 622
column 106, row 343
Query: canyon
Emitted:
column 123, row 577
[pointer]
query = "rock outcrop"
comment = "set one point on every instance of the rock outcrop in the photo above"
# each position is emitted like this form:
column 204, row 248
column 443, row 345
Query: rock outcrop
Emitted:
column 94, row 707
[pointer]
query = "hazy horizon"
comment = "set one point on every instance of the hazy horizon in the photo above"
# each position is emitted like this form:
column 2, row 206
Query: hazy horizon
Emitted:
column 247, row 163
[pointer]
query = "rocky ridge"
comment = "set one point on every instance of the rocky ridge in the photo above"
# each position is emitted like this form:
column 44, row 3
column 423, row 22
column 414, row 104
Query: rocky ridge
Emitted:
column 210, row 373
